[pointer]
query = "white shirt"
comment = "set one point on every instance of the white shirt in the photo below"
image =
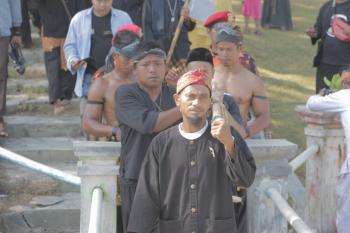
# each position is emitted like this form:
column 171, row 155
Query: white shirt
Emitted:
column 338, row 102
column 195, row 135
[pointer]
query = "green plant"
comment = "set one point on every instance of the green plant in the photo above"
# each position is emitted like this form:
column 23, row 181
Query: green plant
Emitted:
column 335, row 83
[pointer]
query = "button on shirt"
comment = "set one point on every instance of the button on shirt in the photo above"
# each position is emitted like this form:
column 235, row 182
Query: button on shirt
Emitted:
column 338, row 102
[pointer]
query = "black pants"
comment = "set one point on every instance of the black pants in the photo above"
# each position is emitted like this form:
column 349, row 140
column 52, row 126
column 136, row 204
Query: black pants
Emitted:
column 241, row 212
column 61, row 82
column 127, row 193
column 4, row 44
column 326, row 70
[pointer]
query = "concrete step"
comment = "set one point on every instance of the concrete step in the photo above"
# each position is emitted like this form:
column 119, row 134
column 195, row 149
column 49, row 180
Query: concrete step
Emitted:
column 44, row 150
column 36, row 105
column 15, row 86
column 40, row 126
column 62, row 216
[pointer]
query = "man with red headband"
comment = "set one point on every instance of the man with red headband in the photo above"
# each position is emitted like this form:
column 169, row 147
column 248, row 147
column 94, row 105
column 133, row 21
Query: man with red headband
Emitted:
column 339, row 102
column 101, row 100
column 186, row 180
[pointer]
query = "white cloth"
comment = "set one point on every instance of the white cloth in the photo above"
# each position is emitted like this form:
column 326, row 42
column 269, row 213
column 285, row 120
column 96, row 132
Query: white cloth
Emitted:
column 343, row 204
column 336, row 102
column 195, row 135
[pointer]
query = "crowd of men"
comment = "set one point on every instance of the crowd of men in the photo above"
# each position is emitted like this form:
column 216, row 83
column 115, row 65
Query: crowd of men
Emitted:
column 180, row 167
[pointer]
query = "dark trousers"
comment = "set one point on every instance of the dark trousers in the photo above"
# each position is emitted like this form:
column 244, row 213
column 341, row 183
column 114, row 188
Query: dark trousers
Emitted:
column 61, row 82
column 326, row 70
column 241, row 212
column 4, row 44
column 127, row 193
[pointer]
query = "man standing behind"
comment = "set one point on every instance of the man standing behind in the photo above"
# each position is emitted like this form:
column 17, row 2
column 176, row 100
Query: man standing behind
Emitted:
column 231, row 77
column 186, row 180
column 101, row 97
column 10, row 24
column 88, row 42
column 332, row 54
column 143, row 109
column 339, row 102
column 55, row 19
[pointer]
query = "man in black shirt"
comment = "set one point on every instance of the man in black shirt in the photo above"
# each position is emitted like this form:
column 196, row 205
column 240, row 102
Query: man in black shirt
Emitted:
column 143, row 109
column 186, row 180
column 333, row 54
column 55, row 21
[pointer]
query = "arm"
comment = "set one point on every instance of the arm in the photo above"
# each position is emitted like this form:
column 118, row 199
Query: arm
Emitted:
column 240, row 162
column 146, row 205
column 133, row 112
column 233, row 115
column 91, row 122
column 16, row 14
column 70, row 45
column 260, row 107
column 335, row 102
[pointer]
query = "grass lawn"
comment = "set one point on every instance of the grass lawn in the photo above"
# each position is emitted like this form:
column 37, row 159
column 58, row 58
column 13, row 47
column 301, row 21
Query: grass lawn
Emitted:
column 285, row 59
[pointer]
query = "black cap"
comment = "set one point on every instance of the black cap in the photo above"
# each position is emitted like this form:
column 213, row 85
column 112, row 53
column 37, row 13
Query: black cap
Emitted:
column 200, row 54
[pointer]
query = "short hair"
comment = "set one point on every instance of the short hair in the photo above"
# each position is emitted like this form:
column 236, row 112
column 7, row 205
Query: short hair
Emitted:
column 145, row 48
column 200, row 54
column 125, row 38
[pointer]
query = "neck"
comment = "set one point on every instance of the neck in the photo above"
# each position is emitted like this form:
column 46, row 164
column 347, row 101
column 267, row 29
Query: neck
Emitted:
column 99, row 14
column 153, row 92
column 234, row 67
column 120, row 75
column 191, row 128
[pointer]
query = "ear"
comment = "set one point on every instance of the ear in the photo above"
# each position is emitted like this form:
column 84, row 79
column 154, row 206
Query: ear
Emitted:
column 177, row 99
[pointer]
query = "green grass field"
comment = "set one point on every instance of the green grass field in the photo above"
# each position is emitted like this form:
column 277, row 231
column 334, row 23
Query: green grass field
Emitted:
column 285, row 59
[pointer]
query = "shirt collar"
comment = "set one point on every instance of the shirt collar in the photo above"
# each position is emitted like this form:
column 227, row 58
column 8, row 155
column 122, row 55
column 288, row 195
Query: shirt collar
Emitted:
column 195, row 135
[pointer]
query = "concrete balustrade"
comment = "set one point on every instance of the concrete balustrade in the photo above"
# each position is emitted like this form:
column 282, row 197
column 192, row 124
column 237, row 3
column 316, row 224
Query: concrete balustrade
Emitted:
column 324, row 130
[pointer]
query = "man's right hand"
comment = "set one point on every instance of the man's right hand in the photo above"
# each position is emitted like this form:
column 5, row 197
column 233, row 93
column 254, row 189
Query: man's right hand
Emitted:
column 311, row 32
column 76, row 64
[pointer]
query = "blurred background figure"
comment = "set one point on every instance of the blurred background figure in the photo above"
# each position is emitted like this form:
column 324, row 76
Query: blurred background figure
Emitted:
column 10, row 32
column 251, row 9
column 29, row 14
column 277, row 14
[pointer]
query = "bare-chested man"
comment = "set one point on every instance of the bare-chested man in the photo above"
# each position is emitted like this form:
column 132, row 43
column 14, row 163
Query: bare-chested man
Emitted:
column 232, row 78
column 101, row 96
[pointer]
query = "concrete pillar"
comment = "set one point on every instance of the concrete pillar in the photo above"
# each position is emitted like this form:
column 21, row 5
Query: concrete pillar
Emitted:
column 97, row 167
column 325, row 130
column 263, row 215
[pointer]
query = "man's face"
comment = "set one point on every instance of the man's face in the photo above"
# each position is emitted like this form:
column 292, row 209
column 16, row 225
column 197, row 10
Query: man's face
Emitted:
column 205, row 66
column 102, row 7
column 194, row 102
column 122, row 63
column 228, row 53
column 150, row 70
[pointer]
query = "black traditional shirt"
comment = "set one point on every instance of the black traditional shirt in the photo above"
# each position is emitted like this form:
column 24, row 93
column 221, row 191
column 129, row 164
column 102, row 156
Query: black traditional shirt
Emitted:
column 185, row 185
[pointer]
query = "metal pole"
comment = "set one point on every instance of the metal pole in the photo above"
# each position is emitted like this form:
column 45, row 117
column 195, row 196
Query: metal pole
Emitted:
column 301, row 159
column 294, row 220
column 55, row 173
column 95, row 211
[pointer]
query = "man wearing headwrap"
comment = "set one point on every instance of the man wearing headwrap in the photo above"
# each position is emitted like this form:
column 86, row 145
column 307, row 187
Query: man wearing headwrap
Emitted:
column 233, row 78
column 186, row 180
column 143, row 109
column 339, row 102
column 101, row 100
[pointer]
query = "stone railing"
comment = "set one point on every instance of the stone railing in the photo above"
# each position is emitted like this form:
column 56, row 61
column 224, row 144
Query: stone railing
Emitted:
column 324, row 130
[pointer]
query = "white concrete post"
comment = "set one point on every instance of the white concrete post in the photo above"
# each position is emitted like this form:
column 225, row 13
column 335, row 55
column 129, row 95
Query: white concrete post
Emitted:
column 325, row 130
column 97, row 167
column 263, row 214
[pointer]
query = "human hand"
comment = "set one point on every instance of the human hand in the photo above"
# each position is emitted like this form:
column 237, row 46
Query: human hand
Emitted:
column 16, row 40
column 172, row 76
column 311, row 32
column 185, row 12
column 76, row 64
column 220, row 129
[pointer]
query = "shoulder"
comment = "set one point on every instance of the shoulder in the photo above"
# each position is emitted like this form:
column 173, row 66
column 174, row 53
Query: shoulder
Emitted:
column 78, row 16
column 127, row 90
column 166, row 134
column 98, row 88
column 120, row 13
column 256, row 82
column 170, row 90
